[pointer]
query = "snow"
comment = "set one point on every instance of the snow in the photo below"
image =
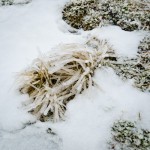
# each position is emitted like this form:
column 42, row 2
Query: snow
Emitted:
column 91, row 115
column 28, row 30
column 33, row 136
column 122, row 41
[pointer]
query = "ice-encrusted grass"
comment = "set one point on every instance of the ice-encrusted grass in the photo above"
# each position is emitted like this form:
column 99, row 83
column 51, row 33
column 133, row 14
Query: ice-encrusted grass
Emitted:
column 53, row 80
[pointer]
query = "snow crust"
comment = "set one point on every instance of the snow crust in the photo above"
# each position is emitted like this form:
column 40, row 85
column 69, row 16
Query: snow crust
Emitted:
column 28, row 30
column 31, row 138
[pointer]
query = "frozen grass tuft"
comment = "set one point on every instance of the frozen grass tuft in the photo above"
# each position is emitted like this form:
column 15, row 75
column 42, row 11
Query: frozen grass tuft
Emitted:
column 53, row 80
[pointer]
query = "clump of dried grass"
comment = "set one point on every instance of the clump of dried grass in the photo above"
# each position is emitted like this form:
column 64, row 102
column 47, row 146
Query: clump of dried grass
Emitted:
column 53, row 80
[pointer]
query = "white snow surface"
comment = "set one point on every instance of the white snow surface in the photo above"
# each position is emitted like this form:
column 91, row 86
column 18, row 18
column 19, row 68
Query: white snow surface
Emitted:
column 28, row 30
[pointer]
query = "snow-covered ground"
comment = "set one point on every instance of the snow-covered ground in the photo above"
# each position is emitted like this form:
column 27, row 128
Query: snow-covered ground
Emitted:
column 37, row 27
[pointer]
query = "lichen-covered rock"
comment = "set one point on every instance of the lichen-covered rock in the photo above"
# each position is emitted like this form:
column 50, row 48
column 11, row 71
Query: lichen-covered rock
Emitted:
column 126, row 136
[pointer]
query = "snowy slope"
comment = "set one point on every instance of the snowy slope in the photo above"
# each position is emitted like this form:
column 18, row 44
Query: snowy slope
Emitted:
column 34, row 28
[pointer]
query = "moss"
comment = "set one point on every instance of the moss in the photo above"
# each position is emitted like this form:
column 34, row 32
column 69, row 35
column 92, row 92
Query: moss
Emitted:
column 79, row 14
column 6, row 2
column 129, row 15
column 137, row 68
column 125, row 135
column 88, row 14
column 12, row 2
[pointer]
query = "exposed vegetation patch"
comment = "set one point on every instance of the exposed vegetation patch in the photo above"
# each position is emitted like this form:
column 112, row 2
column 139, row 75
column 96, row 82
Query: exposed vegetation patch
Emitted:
column 13, row 2
column 82, row 14
column 6, row 2
column 88, row 14
column 129, row 15
column 137, row 68
column 126, row 136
